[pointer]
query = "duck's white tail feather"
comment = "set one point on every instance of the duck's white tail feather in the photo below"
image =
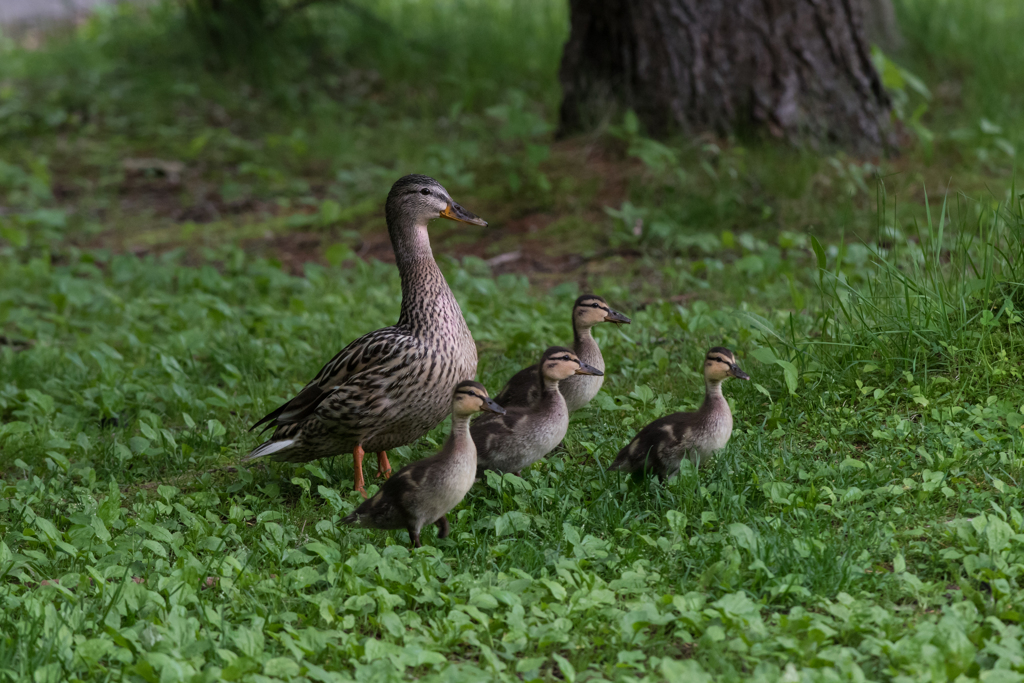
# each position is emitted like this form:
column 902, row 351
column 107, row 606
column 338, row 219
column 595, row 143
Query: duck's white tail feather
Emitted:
column 269, row 448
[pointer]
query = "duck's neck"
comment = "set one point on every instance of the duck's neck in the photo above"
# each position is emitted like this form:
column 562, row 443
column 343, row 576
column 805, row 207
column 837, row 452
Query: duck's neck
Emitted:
column 460, row 444
column 549, row 389
column 585, row 345
column 427, row 301
column 713, row 398
column 409, row 239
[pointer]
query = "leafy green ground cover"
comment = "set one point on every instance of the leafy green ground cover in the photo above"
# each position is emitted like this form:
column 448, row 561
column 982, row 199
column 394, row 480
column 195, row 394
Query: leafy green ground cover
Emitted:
column 864, row 523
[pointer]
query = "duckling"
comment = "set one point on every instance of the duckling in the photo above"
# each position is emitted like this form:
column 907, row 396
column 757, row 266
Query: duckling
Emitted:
column 660, row 446
column 578, row 390
column 389, row 387
column 424, row 491
column 524, row 435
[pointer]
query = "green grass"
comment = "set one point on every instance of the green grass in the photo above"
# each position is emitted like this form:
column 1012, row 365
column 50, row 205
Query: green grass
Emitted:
column 864, row 517
column 863, row 524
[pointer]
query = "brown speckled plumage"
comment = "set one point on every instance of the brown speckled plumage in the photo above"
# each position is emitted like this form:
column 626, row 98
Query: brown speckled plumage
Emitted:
column 524, row 388
column 391, row 386
column 660, row 447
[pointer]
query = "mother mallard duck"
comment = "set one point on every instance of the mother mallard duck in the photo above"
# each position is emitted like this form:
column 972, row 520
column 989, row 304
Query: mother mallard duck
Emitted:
column 389, row 387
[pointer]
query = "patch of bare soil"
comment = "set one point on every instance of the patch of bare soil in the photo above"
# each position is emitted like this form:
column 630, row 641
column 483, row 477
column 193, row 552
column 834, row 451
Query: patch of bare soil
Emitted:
column 170, row 193
column 293, row 249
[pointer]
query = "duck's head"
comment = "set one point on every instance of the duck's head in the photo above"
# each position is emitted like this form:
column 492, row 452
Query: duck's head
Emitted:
column 416, row 199
column 720, row 364
column 560, row 363
column 590, row 310
column 471, row 397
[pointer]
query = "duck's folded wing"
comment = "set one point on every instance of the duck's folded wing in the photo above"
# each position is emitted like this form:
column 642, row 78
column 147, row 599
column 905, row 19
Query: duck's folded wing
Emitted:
column 522, row 390
column 492, row 431
column 382, row 352
column 666, row 434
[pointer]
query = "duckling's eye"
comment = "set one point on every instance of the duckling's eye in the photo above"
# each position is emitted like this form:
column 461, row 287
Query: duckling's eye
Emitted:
column 424, row 191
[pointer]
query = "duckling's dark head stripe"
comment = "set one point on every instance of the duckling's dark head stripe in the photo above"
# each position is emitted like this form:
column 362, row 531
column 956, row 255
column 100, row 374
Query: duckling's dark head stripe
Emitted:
column 471, row 394
column 591, row 301
column 558, row 351
column 470, row 388
column 588, row 297
column 721, row 354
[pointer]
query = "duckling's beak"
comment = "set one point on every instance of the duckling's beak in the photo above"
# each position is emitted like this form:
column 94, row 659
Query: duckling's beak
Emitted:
column 616, row 317
column 735, row 371
column 456, row 213
column 586, row 369
column 492, row 407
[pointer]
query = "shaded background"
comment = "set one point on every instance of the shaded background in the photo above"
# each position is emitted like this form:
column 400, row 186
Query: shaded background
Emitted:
column 169, row 126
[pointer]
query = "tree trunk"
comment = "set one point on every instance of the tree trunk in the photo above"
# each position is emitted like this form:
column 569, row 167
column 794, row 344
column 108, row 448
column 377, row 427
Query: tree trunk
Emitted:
column 880, row 25
column 799, row 69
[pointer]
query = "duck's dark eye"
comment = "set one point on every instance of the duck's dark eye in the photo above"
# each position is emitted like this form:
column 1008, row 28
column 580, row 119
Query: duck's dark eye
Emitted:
column 424, row 191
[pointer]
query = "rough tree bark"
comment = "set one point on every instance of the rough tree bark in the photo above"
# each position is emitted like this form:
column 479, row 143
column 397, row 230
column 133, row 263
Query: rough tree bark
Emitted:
column 800, row 69
column 880, row 25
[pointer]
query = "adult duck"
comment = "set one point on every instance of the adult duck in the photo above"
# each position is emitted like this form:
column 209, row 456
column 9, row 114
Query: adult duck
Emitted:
column 392, row 386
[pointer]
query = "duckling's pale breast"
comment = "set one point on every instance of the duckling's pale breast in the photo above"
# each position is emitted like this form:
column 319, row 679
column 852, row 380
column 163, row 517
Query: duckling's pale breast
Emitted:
column 544, row 432
column 579, row 390
column 534, row 433
column 712, row 434
column 447, row 484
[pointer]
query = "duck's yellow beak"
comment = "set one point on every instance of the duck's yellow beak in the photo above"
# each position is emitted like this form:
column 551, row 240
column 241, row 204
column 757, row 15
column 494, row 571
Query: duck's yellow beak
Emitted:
column 456, row 213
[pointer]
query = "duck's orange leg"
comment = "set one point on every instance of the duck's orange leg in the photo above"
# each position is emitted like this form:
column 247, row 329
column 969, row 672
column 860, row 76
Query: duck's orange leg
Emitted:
column 360, row 484
column 383, row 466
